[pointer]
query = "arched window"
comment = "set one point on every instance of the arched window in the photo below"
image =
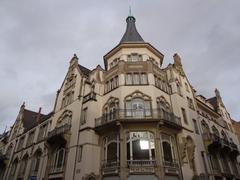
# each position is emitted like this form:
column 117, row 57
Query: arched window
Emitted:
column 138, row 105
column 23, row 166
column 168, row 150
column 140, row 146
column 111, row 149
column 59, row 158
column 162, row 104
column 13, row 169
column 36, row 163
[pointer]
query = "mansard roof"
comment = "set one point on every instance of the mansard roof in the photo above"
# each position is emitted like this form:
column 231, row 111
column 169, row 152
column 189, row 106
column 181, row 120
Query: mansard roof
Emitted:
column 131, row 34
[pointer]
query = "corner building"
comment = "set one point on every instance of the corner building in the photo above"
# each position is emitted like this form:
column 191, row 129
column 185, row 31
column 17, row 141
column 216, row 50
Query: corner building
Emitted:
column 130, row 120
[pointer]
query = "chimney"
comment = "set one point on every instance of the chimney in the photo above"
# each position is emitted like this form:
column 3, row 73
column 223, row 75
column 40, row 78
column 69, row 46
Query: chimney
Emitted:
column 38, row 115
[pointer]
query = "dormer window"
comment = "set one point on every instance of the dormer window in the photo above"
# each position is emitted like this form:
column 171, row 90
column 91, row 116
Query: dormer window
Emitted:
column 134, row 57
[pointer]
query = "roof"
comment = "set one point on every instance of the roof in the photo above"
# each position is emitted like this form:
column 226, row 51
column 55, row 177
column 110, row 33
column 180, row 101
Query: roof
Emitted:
column 131, row 34
column 30, row 118
column 213, row 102
column 84, row 70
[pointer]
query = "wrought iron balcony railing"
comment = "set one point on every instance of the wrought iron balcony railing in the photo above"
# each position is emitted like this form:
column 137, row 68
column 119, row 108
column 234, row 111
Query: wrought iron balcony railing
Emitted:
column 110, row 167
column 141, row 166
column 172, row 164
column 141, row 162
column 121, row 114
column 59, row 130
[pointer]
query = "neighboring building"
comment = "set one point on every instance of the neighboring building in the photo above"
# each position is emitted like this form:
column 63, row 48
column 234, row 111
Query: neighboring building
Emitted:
column 132, row 119
column 236, row 127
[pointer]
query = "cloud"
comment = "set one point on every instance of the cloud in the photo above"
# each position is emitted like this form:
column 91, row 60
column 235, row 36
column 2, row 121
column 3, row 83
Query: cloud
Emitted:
column 38, row 38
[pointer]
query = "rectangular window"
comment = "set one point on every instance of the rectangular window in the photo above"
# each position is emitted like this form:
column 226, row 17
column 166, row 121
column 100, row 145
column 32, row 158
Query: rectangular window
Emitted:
column 84, row 116
column 143, row 78
column 135, row 57
column 195, row 126
column 111, row 84
column 129, row 79
column 136, row 79
column 190, row 103
column 184, row 115
column 116, row 81
column 129, row 58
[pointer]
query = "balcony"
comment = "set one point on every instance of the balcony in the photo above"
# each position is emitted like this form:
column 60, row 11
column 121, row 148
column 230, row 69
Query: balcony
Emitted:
column 234, row 150
column 90, row 96
column 141, row 166
column 225, row 145
column 58, row 131
column 215, row 142
column 172, row 164
column 171, row 167
column 110, row 167
column 144, row 115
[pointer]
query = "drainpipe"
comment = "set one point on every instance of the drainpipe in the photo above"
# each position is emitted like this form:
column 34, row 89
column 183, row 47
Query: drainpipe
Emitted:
column 81, row 94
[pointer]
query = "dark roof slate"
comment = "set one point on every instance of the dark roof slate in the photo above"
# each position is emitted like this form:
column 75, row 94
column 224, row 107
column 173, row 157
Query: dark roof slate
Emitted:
column 213, row 102
column 30, row 119
column 84, row 70
column 131, row 34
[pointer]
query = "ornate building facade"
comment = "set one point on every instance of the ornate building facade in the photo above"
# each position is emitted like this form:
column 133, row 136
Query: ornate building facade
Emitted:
column 132, row 119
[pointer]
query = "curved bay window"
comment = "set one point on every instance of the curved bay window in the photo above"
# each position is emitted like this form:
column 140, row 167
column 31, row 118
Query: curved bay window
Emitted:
column 58, row 160
column 168, row 149
column 140, row 147
column 138, row 105
column 111, row 147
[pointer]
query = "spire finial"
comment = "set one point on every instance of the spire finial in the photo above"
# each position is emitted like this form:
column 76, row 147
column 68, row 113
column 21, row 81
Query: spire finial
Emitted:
column 130, row 11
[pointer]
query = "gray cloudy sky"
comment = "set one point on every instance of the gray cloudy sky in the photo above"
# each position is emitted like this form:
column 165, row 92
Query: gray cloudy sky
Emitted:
column 38, row 38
